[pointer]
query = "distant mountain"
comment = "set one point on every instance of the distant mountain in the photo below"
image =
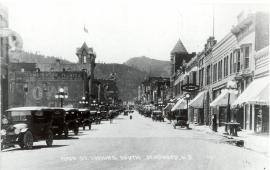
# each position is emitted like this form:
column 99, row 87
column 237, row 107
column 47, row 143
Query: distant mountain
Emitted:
column 127, row 78
column 28, row 57
column 152, row 66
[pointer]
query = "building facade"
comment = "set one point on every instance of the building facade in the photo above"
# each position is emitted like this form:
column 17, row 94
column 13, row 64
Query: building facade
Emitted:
column 240, row 57
column 39, row 87
column 9, row 40
column 154, row 90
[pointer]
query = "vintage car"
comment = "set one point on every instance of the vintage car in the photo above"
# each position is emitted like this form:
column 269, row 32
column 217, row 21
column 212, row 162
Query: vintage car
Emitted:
column 60, row 124
column 72, row 119
column 181, row 120
column 104, row 112
column 96, row 117
column 157, row 116
column 25, row 125
column 126, row 112
column 85, row 118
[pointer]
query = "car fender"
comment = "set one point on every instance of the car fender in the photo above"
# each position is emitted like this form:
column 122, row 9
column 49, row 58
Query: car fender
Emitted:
column 24, row 130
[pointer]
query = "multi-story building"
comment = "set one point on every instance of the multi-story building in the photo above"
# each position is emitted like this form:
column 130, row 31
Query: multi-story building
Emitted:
column 179, row 58
column 39, row 87
column 252, row 33
column 9, row 40
column 154, row 90
column 233, row 59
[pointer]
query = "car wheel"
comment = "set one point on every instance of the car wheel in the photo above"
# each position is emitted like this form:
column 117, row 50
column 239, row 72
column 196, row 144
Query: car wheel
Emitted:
column 66, row 131
column 76, row 130
column 27, row 140
column 49, row 139
column 59, row 133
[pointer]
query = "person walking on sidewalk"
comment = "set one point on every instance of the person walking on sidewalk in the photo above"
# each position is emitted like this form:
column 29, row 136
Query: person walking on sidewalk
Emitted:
column 214, row 122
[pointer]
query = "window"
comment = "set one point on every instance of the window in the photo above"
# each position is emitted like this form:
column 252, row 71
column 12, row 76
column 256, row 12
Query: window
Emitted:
column 201, row 74
column 208, row 75
column 220, row 70
column 231, row 63
column 215, row 73
column 238, row 62
column 225, row 71
column 194, row 77
column 246, row 56
column 84, row 59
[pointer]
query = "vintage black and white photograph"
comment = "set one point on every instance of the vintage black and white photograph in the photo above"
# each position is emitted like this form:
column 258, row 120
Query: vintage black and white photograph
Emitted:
column 134, row 85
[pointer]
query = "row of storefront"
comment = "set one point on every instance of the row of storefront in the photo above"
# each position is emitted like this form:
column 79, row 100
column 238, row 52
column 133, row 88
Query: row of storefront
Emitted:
column 232, row 76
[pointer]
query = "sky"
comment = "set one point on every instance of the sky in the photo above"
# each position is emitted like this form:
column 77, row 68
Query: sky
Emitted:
column 122, row 29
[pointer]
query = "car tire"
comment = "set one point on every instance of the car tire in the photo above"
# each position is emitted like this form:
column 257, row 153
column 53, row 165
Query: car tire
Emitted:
column 27, row 140
column 76, row 130
column 49, row 138
column 59, row 133
column 66, row 131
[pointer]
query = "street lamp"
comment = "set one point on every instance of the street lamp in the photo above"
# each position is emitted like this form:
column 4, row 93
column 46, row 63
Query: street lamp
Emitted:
column 61, row 94
column 83, row 101
column 187, row 97
column 231, row 87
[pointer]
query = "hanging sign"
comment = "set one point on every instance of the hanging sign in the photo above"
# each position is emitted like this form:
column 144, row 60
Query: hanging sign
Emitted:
column 190, row 87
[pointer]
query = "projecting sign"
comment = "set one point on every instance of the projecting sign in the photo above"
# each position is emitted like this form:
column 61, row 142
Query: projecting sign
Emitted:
column 190, row 87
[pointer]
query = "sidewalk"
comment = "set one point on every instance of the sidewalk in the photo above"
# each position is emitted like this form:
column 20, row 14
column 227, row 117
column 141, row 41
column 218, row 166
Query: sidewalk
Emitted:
column 252, row 141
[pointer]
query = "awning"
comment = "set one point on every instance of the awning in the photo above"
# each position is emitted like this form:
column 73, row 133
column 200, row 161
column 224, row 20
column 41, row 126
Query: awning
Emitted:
column 197, row 102
column 222, row 99
column 181, row 104
column 168, row 107
column 256, row 93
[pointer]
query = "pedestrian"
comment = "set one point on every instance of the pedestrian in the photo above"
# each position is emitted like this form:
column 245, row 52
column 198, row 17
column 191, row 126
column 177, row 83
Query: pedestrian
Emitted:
column 111, row 116
column 214, row 122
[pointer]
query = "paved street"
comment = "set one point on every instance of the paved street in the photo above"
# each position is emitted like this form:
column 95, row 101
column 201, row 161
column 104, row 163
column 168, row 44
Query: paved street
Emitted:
column 139, row 143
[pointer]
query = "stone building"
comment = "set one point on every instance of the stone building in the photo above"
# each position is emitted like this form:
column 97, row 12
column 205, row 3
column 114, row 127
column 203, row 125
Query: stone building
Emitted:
column 39, row 87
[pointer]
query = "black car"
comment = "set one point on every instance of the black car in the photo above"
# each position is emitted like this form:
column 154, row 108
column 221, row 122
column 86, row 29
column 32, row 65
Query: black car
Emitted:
column 157, row 116
column 104, row 112
column 181, row 119
column 72, row 119
column 85, row 118
column 59, row 124
column 25, row 125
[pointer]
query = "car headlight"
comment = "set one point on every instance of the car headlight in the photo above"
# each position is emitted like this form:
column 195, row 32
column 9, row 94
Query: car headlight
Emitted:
column 17, row 131
column 3, row 132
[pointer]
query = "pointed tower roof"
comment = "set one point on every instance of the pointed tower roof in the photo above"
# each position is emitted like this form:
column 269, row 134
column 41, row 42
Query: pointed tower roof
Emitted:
column 84, row 47
column 179, row 48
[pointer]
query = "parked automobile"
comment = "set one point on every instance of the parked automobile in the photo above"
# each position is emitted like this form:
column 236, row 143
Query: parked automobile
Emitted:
column 60, row 124
column 104, row 112
column 157, row 115
column 126, row 112
column 72, row 119
column 85, row 118
column 181, row 120
column 25, row 125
